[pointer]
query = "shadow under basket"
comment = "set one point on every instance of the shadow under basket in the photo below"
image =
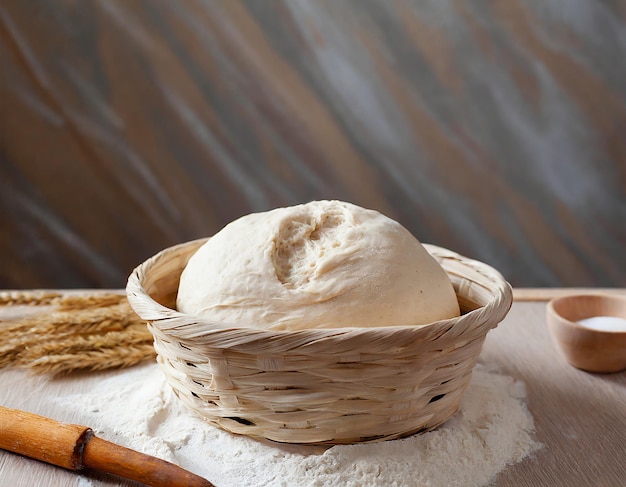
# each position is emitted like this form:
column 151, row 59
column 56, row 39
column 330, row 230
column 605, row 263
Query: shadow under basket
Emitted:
column 323, row 386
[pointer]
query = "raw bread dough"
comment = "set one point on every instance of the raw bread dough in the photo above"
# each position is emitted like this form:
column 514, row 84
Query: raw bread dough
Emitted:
column 324, row 264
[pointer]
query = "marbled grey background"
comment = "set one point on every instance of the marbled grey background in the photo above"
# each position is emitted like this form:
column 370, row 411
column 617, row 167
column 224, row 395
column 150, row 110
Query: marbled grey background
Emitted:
column 496, row 129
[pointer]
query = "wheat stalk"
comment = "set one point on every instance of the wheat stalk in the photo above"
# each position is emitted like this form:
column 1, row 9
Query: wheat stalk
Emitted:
column 70, row 302
column 82, row 332
column 27, row 298
column 95, row 352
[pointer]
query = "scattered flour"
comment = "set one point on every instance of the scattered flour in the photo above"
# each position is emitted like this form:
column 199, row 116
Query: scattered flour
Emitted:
column 84, row 482
column 492, row 429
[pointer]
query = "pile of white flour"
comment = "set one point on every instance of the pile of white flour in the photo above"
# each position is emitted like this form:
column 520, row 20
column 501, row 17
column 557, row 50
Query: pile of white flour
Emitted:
column 492, row 429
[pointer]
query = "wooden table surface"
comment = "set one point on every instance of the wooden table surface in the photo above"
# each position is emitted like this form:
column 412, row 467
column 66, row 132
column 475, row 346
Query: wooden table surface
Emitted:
column 580, row 418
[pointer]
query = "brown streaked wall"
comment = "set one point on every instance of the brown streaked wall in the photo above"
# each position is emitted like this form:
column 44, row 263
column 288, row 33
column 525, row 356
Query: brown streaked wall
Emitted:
column 496, row 129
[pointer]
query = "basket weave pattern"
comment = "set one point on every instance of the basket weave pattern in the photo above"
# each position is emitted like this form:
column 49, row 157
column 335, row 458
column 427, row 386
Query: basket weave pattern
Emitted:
column 341, row 385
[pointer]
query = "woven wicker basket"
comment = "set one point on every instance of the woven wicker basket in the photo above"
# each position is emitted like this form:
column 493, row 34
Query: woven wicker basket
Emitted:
column 341, row 385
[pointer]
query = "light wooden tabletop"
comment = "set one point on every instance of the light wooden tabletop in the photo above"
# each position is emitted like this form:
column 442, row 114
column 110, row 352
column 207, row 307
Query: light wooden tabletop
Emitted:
column 580, row 418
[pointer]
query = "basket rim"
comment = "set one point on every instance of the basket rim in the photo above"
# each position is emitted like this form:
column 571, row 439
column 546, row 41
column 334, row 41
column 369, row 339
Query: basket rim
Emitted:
column 168, row 320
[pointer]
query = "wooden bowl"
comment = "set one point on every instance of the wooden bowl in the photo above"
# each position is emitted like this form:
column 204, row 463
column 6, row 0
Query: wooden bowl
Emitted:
column 584, row 348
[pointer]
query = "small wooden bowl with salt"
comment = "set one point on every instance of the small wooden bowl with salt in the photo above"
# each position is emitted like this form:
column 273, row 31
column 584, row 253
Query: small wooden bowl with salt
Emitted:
column 590, row 331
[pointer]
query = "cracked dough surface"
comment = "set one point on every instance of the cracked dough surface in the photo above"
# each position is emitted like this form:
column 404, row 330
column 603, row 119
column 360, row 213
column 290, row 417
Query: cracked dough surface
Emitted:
column 323, row 264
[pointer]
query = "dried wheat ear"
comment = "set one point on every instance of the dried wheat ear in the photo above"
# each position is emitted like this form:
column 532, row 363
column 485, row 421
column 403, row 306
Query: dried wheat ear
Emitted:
column 81, row 332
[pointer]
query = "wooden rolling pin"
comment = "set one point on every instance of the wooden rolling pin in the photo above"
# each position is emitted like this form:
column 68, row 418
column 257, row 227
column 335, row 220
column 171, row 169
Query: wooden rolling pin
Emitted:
column 76, row 447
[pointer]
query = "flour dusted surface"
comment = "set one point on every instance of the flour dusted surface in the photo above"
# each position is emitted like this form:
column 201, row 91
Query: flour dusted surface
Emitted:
column 492, row 429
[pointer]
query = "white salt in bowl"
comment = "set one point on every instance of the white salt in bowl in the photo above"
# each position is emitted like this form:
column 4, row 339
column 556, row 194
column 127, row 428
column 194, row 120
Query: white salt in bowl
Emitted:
column 593, row 350
column 325, row 386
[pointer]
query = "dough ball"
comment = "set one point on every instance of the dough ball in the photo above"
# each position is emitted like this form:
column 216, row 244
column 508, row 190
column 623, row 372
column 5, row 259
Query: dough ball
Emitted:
column 324, row 264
